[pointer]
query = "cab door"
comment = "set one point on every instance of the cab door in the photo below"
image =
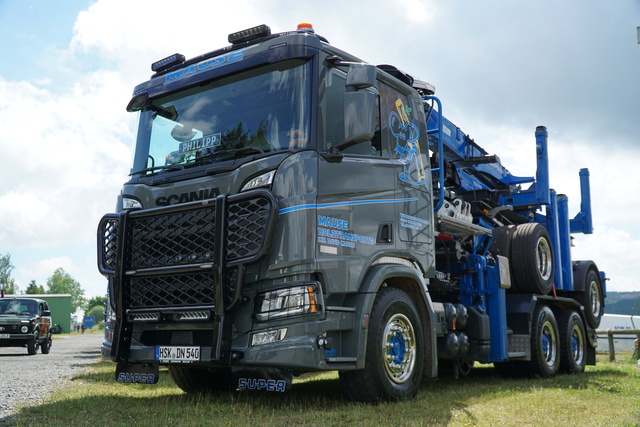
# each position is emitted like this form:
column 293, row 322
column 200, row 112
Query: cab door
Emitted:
column 356, row 196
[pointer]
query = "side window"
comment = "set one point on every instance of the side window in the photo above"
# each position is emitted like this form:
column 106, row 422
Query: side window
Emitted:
column 332, row 94
column 403, row 125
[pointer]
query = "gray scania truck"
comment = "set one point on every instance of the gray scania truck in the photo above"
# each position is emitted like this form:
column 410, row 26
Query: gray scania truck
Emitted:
column 292, row 208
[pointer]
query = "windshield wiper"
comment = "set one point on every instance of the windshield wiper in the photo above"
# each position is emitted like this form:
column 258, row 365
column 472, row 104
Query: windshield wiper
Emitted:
column 232, row 153
column 157, row 168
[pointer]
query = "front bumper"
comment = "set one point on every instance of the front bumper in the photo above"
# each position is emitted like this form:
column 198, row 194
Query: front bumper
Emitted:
column 308, row 345
column 16, row 340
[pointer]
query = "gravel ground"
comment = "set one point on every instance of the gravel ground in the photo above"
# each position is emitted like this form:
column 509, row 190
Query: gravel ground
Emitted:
column 28, row 379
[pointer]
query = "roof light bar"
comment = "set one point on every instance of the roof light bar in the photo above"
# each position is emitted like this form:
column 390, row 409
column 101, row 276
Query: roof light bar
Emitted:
column 249, row 34
column 167, row 62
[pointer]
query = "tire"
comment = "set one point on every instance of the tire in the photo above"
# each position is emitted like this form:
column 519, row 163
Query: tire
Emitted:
column 33, row 344
column 532, row 259
column 45, row 346
column 545, row 340
column 592, row 299
column 573, row 342
column 501, row 245
column 394, row 361
column 194, row 380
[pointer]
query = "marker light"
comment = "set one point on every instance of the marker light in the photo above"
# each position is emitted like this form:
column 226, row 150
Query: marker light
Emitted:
column 128, row 203
column 138, row 102
column 167, row 62
column 263, row 180
column 249, row 34
column 305, row 26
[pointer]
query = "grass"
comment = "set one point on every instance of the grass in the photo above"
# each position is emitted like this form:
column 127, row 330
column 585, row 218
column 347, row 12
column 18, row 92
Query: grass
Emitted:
column 605, row 395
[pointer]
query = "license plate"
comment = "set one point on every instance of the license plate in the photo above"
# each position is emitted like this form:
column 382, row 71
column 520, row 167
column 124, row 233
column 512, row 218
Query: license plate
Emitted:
column 178, row 354
column 5, row 336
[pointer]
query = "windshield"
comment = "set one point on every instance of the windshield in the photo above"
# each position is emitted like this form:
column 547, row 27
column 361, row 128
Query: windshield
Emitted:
column 259, row 111
column 18, row 307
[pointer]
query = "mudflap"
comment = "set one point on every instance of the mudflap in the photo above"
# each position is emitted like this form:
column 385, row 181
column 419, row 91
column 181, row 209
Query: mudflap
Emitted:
column 141, row 373
column 262, row 379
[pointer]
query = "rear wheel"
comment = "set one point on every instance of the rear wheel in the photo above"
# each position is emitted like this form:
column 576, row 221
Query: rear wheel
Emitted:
column 572, row 342
column 193, row 380
column 532, row 259
column 394, row 361
column 545, row 353
column 45, row 347
column 593, row 299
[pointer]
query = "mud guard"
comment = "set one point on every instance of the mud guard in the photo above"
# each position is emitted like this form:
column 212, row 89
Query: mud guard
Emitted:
column 262, row 379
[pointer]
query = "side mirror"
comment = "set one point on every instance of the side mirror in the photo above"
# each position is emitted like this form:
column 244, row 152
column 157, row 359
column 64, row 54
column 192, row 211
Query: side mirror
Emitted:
column 360, row 117
column 46, row 313
column 360, row 110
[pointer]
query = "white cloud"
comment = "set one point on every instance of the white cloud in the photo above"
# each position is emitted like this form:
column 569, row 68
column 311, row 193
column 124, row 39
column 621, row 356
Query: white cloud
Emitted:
column 63, row 159
column 66, row 151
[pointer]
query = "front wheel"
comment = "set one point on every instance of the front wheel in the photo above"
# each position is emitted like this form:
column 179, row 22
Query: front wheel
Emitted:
column 33, row 344
column 394, row 361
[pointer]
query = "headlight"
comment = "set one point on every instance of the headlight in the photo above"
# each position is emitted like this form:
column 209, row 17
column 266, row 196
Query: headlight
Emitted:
column 24, row 329
column 286, row 302
column 259, row 181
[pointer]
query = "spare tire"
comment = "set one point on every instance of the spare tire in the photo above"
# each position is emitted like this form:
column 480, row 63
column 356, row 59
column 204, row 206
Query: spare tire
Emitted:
column 532, row 259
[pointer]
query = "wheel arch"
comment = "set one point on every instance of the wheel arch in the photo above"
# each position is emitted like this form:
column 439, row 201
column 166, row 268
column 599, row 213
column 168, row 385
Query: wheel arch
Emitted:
column 410, row 281
column 580, row 270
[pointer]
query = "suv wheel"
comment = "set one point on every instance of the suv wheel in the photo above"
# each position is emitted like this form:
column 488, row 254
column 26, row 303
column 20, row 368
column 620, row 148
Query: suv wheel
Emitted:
column 45, row 346
column 33, row 344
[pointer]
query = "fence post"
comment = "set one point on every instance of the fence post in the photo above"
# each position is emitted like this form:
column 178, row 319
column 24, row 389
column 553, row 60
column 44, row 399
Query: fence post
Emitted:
column 612, row 350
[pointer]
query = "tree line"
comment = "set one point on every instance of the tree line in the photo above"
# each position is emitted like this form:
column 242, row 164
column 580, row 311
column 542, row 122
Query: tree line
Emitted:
column 60, row 282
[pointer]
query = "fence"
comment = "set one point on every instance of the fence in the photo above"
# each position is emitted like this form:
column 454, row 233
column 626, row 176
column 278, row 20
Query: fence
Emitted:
column 611, row 332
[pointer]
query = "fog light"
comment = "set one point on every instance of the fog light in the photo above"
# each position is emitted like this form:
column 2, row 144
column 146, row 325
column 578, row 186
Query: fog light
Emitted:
column 268, row 337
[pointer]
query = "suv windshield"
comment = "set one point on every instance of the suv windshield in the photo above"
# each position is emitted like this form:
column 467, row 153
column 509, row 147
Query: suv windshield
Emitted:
column 259, row 111
column 18, row 307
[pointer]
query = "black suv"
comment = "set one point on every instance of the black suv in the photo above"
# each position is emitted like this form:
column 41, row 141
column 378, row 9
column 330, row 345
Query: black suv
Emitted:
column 25, row 322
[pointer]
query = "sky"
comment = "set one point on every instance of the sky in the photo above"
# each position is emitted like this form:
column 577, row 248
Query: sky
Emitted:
column 500, row 68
